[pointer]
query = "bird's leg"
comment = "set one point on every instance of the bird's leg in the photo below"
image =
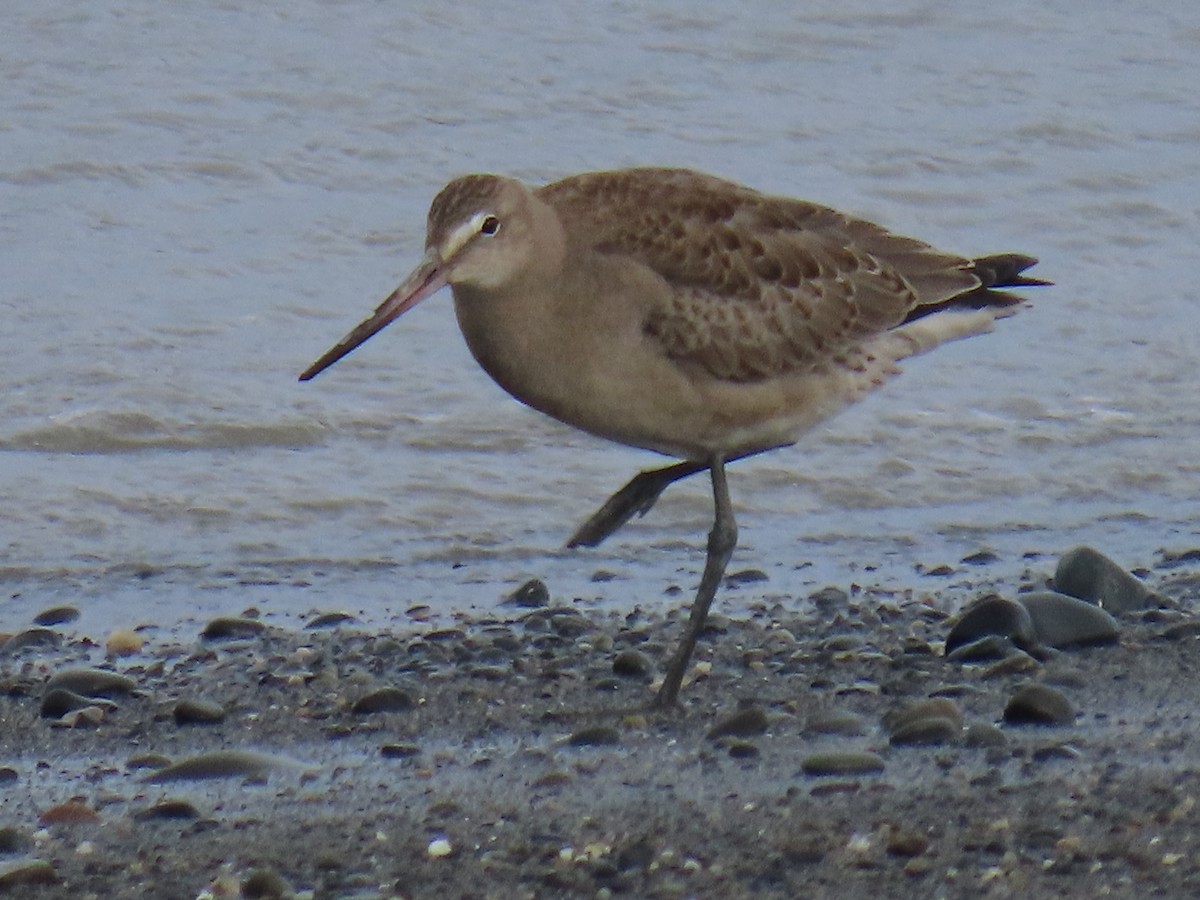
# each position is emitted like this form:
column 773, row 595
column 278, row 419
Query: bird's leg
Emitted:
column 636, row 497
column 721, row 541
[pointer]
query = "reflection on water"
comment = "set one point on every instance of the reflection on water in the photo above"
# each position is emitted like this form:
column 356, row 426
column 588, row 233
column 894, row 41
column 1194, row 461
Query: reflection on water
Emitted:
column 195, row 205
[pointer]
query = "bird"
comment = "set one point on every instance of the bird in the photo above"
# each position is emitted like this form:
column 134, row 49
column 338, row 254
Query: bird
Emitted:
column 689, row 315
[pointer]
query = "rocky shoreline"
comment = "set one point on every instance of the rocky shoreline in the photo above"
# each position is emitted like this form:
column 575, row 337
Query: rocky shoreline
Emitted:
column 853, row 744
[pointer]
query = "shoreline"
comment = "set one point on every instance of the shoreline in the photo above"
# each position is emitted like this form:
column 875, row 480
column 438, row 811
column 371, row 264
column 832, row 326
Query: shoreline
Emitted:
column 470, row 761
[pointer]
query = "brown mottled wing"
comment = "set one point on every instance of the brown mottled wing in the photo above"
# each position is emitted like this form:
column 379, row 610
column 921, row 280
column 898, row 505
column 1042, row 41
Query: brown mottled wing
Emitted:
column 760, row 285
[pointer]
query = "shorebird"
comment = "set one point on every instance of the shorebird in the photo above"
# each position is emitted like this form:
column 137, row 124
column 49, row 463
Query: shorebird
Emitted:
column 681, row 313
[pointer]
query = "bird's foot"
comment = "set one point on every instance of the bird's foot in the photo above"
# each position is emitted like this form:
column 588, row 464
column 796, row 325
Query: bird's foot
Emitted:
column 636, row 498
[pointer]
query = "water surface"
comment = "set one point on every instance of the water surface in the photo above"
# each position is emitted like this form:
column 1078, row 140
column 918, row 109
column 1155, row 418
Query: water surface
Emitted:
column 196, row 201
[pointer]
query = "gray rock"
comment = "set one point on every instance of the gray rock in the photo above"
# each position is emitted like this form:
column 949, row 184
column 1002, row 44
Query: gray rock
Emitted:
column 1090, row 575
column 1039, row 704
column 992, row 615
column 747, row 722
column 57, row 615
column 92, row 682
column 1062, row 621
column 198, row 712
column 224, row 764
column 923, row 732
column 632, row 664
column 385, row 699
column 988, row 647
column 533, row 594
column 845, row 762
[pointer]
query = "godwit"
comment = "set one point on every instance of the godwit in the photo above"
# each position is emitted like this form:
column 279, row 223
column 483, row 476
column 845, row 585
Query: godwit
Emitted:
column 681, row 313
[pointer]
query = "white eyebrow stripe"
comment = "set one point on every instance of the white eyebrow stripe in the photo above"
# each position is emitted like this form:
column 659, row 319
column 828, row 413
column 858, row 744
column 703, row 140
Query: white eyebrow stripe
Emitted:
column 458, row 238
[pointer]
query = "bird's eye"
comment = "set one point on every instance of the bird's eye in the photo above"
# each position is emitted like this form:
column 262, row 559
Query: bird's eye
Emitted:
column 490, row 225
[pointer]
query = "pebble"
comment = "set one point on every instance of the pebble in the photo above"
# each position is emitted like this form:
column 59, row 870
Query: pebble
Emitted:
column 329, row 620
column 223, row 764
column 922, row 710
column 385, row 699
column 73, row 812
column 92, row 682
column 594, row 736
column 12, row 839
column 632, row 664
column 168, row 809
column 439, row 848
column 123, row 642
column 988, row 647
column 198, row 712
column 1088, row 574
column 844, row 762
column 56, row 615
column 58, row 702
column 1062, row 621
column 31, row 637
column 925, row 732
column 533, row 594
column 24, row 872
column 227, row 628
column 399, row 751
column 265, row 884
column 1039, row 704
column 748, row 722
column 992, row 615
column 836, row 722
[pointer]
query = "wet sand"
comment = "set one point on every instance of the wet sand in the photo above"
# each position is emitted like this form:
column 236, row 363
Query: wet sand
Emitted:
column 471, row 761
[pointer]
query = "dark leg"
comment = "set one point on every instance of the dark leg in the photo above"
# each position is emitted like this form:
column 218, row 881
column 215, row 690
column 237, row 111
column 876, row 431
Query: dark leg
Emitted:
column 636, row 497
column 721, row 541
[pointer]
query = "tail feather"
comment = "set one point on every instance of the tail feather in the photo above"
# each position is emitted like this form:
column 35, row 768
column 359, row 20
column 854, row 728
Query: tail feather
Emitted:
column 1004, row 270
column 995, row 273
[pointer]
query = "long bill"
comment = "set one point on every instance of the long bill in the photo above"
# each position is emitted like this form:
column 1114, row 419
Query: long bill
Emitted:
column 428, row 278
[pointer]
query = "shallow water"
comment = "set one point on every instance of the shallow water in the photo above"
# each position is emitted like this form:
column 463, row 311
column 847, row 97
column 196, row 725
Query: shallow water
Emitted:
column 196, row 202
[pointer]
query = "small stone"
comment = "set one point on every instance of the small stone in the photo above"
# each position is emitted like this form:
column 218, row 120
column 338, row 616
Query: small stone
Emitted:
column 8, row 775
column 439, row 848
column 1039, row 704
column 992, row 615
column 632, row 664
column 836, row 722
column 385, row 699
column 329, row 620
column 742, row 750
column 265, row 884
column 198, row 712
column 31, row 637
column 595, row 736
column 533, row 594
column 58, row 702
column 123, row 642
column 748, row 722
column 12, row 839
column 926, row 732
column 56, row 615
column 904, row 842
column 1062, row 621
column 988, row 647
column 979, row 558
column 984, row 734
column 25, row 872
column 169, row 810
column 73, row 812
column 223, row 764
column 92, row 682
column 228, row 628
column 846, row 762
column 1090, row 575
column 399, row 751
column 920, row 710
column 745, row 576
